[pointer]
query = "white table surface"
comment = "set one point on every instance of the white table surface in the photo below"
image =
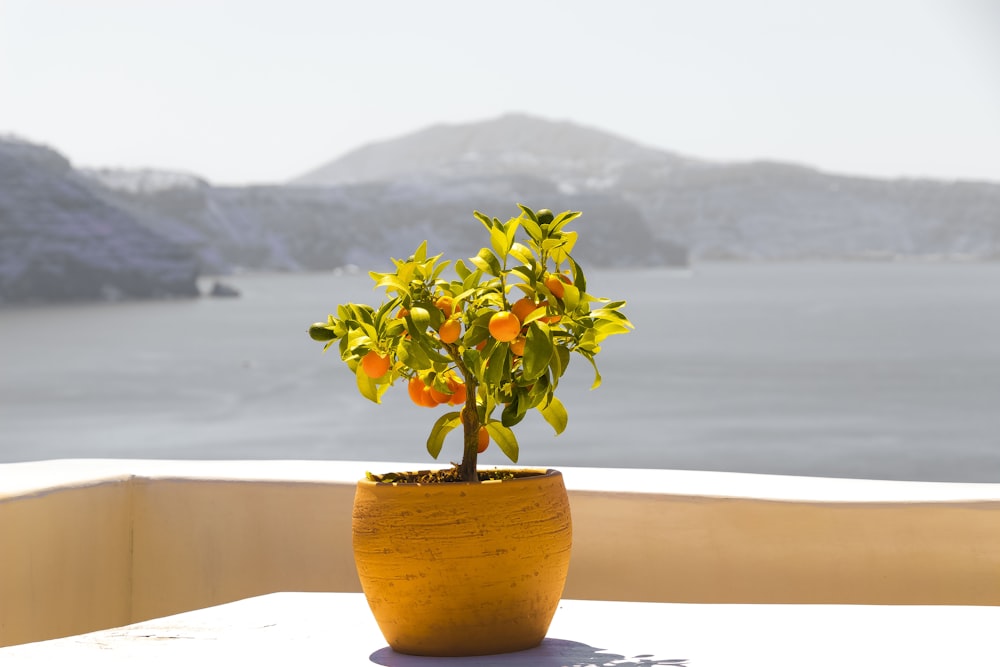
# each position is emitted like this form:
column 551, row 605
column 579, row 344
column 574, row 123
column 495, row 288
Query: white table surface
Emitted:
column 337, row 629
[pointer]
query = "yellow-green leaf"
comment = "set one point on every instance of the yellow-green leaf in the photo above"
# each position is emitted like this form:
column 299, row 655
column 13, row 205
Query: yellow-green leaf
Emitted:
column 555, row 414
column 504, row 438
column 367, row 386
column 442, row 427
column 538, row 350
column 499, row 242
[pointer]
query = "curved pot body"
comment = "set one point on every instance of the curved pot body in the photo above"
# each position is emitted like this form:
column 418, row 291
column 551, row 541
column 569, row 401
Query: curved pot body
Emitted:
column 463, row 568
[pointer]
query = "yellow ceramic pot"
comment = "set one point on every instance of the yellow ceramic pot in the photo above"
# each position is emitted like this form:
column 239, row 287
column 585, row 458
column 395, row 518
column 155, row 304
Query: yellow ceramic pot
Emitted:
column 463, row 568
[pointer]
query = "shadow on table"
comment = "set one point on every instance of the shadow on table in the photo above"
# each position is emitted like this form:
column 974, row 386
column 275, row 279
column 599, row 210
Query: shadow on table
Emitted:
column 550, row 653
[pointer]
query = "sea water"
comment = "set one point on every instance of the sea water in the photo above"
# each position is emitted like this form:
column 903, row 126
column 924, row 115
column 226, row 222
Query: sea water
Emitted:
column 872, row 370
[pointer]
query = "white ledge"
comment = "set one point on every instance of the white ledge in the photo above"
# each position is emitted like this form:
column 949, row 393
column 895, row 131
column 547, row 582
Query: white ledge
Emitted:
column 19, row 479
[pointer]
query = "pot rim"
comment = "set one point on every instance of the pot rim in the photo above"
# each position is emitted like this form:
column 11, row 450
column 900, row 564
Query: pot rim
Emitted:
column 520, row 474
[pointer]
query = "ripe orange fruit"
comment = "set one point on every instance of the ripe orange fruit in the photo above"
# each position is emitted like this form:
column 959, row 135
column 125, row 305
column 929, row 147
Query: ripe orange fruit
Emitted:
column 446, row 305
column 517, row 346
column 484, row 439
column 504, row 326
column 420, row 393
column 438, row 396
column 458, row 391
column 450, row 330
column 523, row 307
column 374, row 364
column 556, row 283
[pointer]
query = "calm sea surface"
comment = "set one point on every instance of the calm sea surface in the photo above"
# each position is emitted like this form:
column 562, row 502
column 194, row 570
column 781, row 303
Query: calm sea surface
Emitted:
column 886, row 371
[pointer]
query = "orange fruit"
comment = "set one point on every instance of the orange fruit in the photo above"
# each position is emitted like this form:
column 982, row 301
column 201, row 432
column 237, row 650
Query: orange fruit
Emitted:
column 450, row 330
column 556, row 283
column 438, row 396
column 446, row 305
column 458, row 392
column 517, row 346
column 504, row 326
column 484, row 439
column 420, row 393
column 523, row 307
column 374, row 364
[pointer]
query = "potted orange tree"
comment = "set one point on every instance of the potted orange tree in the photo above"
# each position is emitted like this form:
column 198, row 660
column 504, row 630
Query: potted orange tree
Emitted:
column 463, row 561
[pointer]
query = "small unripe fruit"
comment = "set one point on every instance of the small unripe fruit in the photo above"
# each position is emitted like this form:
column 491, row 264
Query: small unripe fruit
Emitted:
column 319, row 332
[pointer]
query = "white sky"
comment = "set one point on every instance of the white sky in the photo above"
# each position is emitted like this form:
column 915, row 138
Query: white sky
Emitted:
column 255, row 91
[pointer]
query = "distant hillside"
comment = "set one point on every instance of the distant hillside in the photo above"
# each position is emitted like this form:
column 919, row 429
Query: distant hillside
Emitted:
column 756, row 210
column 69, row 234
column 289, row 228
column 59, row 242
column 569, row 155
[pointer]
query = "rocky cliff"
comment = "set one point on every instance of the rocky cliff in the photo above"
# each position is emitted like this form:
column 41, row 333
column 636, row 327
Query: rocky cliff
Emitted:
column 59, row 242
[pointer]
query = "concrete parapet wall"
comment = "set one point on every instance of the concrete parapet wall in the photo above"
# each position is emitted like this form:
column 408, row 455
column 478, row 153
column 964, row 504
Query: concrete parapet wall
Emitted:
column 94, row 544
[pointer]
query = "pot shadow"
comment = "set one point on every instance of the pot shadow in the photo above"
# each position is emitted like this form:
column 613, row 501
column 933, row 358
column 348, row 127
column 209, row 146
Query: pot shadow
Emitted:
column 550, row 653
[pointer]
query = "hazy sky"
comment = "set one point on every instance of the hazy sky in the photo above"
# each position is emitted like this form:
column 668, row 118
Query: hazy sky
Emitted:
column 255, row 91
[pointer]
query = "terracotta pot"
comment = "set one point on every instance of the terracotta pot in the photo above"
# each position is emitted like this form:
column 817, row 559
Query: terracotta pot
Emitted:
column 463, row 568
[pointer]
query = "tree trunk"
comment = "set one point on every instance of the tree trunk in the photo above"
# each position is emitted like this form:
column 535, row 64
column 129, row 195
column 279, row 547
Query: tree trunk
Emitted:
column 470, row 427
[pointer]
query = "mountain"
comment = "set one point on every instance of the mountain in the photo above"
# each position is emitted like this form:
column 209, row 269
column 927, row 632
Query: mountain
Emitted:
column 103, row 233
column 570, row 155
column 757, row 210
column 60, row 242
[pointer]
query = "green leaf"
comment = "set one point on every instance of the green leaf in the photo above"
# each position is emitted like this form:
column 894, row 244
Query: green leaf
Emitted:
column 555, row 414
column 571, row 297
column 567, row 241
column 487, row 262
column 499, row 242
column 390, row 281
column 487, row 222
column 461, row 270
column 514, row 411
column 528, row 213
column 420, row 254
column 504, row 438
column 367, row 386
column 578, row 278
column 521, row 253
column 432, row 353
column 597, row 375
column 563, row 219
column 525, row 272
column 496, row 365
column 510, row 231
column 533, row 228
column 413, row 355
column 538, row 350
column 442, row 427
